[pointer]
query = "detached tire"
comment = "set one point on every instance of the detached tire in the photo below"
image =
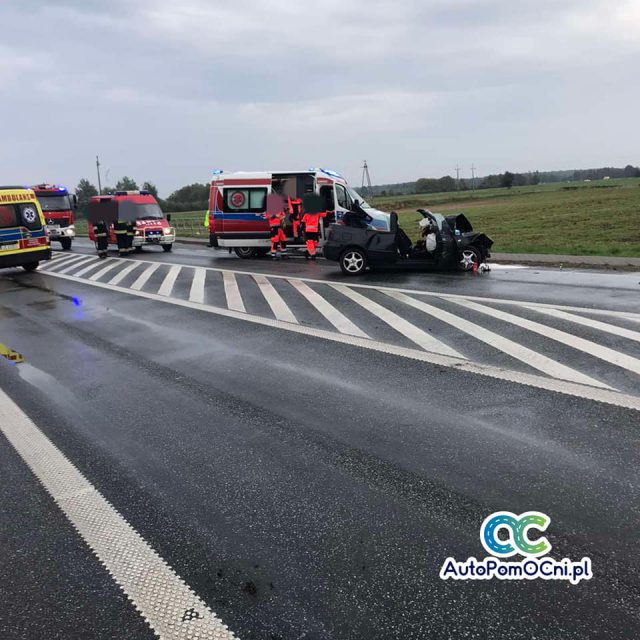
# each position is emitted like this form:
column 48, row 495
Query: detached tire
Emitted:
column 66, row 244
column 30, row 266
column 245, row 252
column 469, row 257
column 165, row 247
column 353, row 262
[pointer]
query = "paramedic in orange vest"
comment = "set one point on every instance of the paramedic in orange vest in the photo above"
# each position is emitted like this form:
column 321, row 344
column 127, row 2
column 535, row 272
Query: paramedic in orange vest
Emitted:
column 295, row 213
column 275, row 217
column 312, row 205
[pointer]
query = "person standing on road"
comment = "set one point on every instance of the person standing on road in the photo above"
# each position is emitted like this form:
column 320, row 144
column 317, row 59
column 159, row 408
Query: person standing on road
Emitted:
column 101, row 232
column 275, row 215
column 295, row 213
column 131, row 232
column 312, row 206
column 120, row 230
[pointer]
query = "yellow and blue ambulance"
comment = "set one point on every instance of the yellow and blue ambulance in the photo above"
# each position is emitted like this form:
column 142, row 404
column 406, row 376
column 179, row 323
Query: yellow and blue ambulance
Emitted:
column 24, row 241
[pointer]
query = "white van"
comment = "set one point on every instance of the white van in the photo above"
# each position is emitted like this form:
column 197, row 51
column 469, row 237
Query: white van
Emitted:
column 237, row 204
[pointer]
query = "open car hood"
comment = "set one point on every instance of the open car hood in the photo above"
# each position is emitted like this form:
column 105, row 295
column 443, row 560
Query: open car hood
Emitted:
column 459, row 222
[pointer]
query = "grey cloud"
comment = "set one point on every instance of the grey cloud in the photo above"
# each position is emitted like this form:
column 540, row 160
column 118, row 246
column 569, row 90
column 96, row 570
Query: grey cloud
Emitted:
column 166, row 91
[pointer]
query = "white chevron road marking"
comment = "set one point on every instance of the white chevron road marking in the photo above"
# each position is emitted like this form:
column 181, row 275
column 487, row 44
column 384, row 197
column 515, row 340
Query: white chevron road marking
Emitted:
column 279, row 307
column 333, row 315
column 587, row 346
column 232, row 292
column 196, row 293
column 410, row 331
column 145, row 275
column 515, row 350
column 551, row 384
column 169, row 281
column 588, row 322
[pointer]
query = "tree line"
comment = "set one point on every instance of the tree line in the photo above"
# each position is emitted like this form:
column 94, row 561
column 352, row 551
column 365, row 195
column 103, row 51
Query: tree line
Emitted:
column 195, row 197
column 506, row 180
column 192, row 197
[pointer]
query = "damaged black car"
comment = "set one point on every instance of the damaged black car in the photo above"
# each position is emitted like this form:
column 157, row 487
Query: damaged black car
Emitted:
column 445, row 243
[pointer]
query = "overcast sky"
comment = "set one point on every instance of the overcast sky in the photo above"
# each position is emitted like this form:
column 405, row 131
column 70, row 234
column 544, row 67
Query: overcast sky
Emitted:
column 166, row 90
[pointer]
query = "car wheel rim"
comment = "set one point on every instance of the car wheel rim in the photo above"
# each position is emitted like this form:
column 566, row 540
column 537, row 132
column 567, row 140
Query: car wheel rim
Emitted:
column 353, row 262
column 467, row 260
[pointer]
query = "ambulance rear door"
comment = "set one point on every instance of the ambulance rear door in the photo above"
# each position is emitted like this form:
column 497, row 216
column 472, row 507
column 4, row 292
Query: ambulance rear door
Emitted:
column 243, row 204
column 326, row 190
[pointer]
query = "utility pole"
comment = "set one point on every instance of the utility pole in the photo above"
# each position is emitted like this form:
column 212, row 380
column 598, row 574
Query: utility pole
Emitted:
column 365, row 174
column 457, row 177
column 99, row 183
column 473, row 177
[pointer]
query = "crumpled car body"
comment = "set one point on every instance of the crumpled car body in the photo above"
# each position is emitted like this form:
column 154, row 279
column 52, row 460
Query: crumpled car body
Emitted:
column 357, row 246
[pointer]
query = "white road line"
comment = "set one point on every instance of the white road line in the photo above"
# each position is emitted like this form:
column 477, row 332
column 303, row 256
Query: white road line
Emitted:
column 539, row 382
column 65, row 262
column 169, row 280
column 112, row 264
column 593, row 324
column 145, row 275
column 335, row 317
column 121, row 275
column 399, row 324
column 279, row 307
column 515, row 350
column 232, row 292
column 167, row 604
column 89, row 267
column 592, row 348
column 448, row 296
column 77, row 263
column 197, row 285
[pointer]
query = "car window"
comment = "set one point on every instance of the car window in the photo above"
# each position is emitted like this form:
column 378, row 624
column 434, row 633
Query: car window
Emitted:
column 8, row 216
column 341, row 197
column 29, row 216
column 250, row 200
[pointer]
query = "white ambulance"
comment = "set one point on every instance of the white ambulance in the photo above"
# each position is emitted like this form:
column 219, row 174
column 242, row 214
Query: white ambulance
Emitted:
column 237, row 204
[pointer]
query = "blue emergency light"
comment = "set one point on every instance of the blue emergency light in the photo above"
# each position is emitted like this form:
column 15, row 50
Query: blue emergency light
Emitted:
column 333, row 174
column 217, row 172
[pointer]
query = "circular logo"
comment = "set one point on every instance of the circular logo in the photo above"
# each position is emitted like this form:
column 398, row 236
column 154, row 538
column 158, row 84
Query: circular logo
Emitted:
column 237, row 199
column 30, row 215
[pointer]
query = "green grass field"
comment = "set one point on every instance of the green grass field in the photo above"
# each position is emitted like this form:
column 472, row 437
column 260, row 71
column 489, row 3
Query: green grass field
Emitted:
column 577, row 218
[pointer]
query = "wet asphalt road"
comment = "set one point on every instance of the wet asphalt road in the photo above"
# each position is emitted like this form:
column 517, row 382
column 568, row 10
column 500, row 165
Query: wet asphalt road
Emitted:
column 305, row 488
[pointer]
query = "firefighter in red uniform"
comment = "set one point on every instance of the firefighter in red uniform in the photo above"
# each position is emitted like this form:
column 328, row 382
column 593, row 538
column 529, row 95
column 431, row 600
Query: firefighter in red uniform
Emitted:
column 311, row 222
column 295, row 214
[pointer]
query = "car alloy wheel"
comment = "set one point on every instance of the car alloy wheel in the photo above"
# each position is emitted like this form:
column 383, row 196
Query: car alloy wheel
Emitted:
column 353, row 262
column 467, row 259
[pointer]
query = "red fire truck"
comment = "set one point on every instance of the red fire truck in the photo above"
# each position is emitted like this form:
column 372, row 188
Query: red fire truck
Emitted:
column 57, row 206
column 152, row 226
